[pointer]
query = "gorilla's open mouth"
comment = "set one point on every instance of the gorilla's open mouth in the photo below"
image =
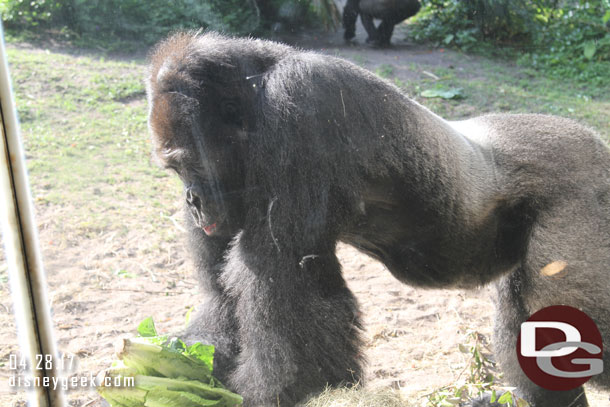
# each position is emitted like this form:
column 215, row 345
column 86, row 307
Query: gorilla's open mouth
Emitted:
column 209, row 224
column 206, row 215
column 210, row 229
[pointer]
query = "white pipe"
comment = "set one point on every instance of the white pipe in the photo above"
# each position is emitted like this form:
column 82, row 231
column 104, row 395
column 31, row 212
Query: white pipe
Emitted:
column 26, row 274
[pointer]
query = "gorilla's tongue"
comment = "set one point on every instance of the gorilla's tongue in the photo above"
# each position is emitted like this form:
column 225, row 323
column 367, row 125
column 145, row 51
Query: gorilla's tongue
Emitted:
column 210, row 229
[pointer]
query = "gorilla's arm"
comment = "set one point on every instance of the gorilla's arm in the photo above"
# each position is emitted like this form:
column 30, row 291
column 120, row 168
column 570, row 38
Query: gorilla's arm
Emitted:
column 296, row 318
column 350, row 15
column 299, row 324
column 214, row 321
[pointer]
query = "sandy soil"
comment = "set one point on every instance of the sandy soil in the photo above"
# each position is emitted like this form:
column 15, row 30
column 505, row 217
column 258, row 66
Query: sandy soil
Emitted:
column 412, row 335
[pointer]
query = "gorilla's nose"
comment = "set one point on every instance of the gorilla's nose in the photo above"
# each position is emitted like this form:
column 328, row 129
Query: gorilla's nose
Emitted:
column 194, row 196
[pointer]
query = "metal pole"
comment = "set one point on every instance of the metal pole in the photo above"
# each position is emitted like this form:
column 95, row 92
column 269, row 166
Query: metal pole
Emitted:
column 26, row 274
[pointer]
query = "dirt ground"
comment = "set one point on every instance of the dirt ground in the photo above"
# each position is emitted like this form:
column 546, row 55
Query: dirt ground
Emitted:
column 412, row 335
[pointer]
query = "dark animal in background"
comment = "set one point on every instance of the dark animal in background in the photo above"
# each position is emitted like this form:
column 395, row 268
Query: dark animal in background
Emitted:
column 283, row 153
column 390, row 12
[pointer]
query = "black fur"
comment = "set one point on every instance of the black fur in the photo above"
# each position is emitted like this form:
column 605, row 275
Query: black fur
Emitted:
column 283, row 153
column 390, row 12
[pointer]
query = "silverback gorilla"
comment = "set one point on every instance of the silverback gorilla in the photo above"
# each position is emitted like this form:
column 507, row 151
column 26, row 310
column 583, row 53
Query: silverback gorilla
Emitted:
column 390, row 12
column 283, row 153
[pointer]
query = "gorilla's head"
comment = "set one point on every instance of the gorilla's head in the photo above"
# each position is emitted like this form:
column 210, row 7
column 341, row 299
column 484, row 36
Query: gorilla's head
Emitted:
column 234, row 118
column 199, row 126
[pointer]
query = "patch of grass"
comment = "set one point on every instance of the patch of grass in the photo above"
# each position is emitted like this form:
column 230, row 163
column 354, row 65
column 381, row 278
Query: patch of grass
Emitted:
column 83, row 122
column 357, row 397
column 118, row 89
column 494, row 86
column 477, row 379
column 385, row 71
column 359, row 60
column 502, row 90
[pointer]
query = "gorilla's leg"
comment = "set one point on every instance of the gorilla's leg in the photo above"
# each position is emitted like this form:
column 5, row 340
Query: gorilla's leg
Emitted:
column 350, row 15
column 298, row 321
column 408, row 9
column 214, row 323
column 510, row 313
column 386, row 29
column 369, row 26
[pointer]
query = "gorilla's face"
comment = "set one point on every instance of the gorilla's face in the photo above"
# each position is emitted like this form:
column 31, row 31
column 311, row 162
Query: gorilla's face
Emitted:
column 198, row 132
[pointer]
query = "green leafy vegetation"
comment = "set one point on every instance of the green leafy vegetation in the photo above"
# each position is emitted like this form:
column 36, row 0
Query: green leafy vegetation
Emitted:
column 476, row 380
column 166, row 373
column 115, row 24
column 564, row 38
column 110, row 23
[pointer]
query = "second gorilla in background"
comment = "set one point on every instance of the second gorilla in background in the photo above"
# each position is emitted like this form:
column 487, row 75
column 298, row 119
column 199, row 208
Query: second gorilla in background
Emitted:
column 390, row 12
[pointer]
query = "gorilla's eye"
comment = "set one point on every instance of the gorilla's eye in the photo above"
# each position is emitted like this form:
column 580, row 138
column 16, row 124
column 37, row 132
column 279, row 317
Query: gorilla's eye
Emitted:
column 229, row 112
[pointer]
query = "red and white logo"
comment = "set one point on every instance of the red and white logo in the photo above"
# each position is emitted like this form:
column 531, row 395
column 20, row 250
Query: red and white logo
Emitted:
column 560, row 348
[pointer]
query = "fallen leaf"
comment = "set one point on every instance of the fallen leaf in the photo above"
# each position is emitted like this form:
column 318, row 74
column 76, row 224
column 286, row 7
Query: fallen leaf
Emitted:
column 454, row 93
column 553, row 268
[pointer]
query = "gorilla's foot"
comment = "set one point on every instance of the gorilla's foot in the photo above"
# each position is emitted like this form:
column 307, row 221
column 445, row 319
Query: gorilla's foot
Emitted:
column 349, row 35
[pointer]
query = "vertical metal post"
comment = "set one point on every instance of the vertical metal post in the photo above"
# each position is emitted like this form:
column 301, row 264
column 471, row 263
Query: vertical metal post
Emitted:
column 26, row 274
